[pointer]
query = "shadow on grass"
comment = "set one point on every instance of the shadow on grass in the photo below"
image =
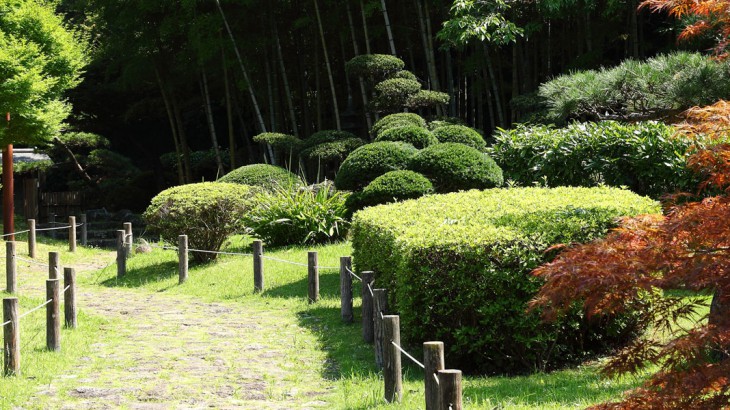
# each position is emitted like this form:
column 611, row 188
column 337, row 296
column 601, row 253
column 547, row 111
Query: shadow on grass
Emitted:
column 329, row 286
column 139, row 276
column 348, row 356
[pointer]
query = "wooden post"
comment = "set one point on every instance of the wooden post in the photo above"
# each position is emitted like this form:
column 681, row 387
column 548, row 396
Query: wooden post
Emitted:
column 11, row 337
column 433, row 361
column 52, row 224
column 258, row 266
column 128, row 239
column 84, row 230
column 313, row 275
column 392, row 371
column 8, row 193
column 346, row 289
column 54, row 265
column 72, row 234
column 11, row 267
column 182, row 256
column 380, row 307
column 30, row 189
column 53, row 315
column 69, row 298
column 31, row 238
column 121, row 251
column 450, row 386
column 367, row 305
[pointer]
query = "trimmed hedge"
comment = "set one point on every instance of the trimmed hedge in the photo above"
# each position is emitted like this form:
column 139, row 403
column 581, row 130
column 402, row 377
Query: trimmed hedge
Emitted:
column 324, row 136
column 453, row 166
column 458, row 270
column 417, row 136
column 646, row 157
column 371, row 161
column 397, row 120
column 461, row 134
column 390, row 187
column 263, row 175
column 332, row 151
column 281, row 142
column 207, row 212
column 378, row 66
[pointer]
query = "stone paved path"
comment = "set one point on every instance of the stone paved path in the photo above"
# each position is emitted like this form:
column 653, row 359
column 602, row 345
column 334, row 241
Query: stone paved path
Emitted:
column 174, row 352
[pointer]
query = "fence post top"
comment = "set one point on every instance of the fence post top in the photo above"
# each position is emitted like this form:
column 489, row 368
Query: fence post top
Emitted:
column 11, row 298
column 391, row 317
column 433, row 343
column 450, row 371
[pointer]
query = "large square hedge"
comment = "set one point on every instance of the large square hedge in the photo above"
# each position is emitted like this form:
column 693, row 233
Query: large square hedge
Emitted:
column 457, row 267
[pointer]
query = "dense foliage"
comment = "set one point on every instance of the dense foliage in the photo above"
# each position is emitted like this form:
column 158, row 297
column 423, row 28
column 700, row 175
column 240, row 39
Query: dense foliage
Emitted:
column 206, row 212
column 453, row 166
column 655, row 88
column 390, row 187
column 397, row 120
column 265, row 176
column 371, row 161
column 411, row 134
column 308, row 215
column 461, row 134
column 647, row 157
column 649, row 258
column 457, row 267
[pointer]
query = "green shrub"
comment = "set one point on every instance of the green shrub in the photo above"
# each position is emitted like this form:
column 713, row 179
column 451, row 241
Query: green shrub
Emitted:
column 390, row 187
column 283, row 143
column 332, row 151
column 324, row 136
column 262, row 175
column 393, row 94
column 416, row 136
column 443, row 121
column 646, row 157
column 206, row 212
column 308, row 215
column 426, row 98
column 397, row 120
column 405, row 74
column 661, row 85
column 461, row 134
column 371, row 161
column 457, row 267
column 375, row 66
column 453, row 166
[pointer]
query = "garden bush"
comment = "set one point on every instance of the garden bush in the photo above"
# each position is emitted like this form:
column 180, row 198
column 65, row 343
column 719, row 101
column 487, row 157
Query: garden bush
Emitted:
column 646, row 157
column 393, row 94
column 263, row 175
column 308, row 215
column 390, row 187
column 457, row 267
column 397, row 120
column 377, row 66
column 332, row 151
column 283, row 143
column 206, row 212
column 461, row 134
column 371, row 161
column 417, row 136
column 426, row 98
column 452, row 166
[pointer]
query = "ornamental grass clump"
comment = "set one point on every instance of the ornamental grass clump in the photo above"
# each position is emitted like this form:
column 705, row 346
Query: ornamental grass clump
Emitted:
column 207, row 213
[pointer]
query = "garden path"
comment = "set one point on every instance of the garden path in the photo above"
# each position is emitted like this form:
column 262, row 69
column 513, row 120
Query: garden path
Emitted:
column 160, row 351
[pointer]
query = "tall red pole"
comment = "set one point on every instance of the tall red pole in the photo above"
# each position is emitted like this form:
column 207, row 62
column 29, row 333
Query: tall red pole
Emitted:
column 8, row 190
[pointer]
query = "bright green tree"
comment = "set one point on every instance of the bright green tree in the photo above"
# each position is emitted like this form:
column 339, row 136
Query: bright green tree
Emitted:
column 40, row 58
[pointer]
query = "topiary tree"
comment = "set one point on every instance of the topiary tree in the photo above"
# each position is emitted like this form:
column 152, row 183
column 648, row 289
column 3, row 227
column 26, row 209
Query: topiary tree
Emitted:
column 393, row 94
column 391, row 187
column 266, row 176
column 397, row 120
column 285, row 146
column 324, row 136
column 416, row 136
column 453, row 167
column 371, row 161
column 461, row 134
column 376, row 67
column 207, row 212
column 335, row 151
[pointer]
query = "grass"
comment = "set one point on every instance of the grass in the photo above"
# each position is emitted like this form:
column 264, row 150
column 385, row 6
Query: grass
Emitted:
column 349, row 364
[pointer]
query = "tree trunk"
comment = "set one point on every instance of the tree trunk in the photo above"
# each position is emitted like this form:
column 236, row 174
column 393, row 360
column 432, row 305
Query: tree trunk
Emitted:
column 495, row 89
column 183, row 138
column 634, row 29
column 329, row 68
column 173, row 128
column 285, row 80
column 387, row 27
column 361, row 81
column 229, row 114
column 211, row 124
column 450, row 84
column 365, row 27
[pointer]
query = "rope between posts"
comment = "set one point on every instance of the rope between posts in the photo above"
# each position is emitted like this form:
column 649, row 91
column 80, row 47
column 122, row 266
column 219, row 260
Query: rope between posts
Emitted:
column 54, row 229
column 15, row 233
column 371, row 290
column 32, row 261
column 408, row 355
column 220, row 253
column 297, row 263
column 66, row 288
column 34, row 309
column 353, row 274
column 6, row 323
column 168, row 248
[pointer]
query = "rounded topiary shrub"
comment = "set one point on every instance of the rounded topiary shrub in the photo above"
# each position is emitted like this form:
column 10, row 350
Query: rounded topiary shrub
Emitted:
column 207, row 213
column 461, row 134
column 392, row 186
column 371, row 161
column 416, row 136
column 453, row 167
column 262, row 175
column 397, row 120
column 332, row 151
column 281, row 142
column 324, row 136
